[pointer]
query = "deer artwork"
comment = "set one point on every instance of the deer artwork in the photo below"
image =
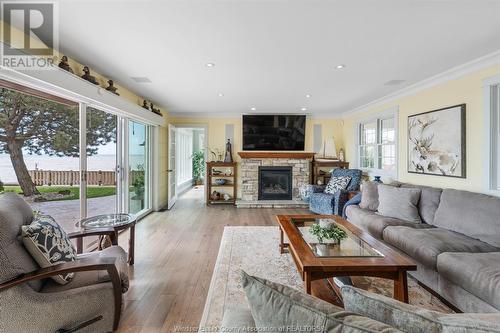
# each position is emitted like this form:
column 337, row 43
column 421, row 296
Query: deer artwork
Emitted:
column 423, row 157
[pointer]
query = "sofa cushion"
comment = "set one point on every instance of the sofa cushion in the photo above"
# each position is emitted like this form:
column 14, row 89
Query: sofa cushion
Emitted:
column 429, row 201
column 400, row 203
column 369, row 196
column 424, row 245
column 472, row 214
column 478, row 273
column 14, row 259
column 355, row 175
column 48, row 244
column 237, row 319
column 277, row 308
column 83, row 279
column 374, row 223
column 336, row 184
column 410, row 318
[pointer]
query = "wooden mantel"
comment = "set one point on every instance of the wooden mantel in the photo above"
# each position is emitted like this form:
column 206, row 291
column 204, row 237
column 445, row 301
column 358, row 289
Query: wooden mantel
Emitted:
column 275, row 154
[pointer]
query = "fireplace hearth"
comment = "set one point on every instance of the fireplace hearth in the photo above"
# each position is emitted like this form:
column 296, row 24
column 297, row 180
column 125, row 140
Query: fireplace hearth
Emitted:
column 275, row 183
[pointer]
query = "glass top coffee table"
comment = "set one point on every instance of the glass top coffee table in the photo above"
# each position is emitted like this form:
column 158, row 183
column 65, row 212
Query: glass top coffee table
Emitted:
column 359, row 254
column 116, row 221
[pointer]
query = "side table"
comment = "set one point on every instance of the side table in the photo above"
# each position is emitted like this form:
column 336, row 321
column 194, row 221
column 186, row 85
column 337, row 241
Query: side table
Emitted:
column 116, row 221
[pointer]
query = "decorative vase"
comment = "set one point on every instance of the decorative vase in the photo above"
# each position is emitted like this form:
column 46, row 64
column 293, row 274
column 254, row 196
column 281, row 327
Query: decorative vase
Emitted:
column 220, row 181
column 341, row 155
column 229, row 154
column 326, row 223
column 226, row 197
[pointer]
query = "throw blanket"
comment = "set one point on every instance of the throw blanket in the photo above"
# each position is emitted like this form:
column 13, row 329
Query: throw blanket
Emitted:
column 354, row 201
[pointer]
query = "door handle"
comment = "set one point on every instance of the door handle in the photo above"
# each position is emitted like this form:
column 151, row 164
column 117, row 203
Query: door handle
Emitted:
column 170, row 170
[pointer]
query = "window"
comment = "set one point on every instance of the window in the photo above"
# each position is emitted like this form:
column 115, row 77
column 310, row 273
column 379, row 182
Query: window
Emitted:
column 377, row 144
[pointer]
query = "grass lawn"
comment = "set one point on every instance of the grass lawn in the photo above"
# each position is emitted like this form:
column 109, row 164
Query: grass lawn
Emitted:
column 92, row 191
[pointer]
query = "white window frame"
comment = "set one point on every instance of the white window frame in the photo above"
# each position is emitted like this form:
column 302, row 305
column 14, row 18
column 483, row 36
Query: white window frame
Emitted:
column 491, row 98
column 387, row 114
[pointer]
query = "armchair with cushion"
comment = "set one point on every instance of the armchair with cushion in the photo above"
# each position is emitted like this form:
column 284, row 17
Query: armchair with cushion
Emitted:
column 328, row 204
column 30, row 301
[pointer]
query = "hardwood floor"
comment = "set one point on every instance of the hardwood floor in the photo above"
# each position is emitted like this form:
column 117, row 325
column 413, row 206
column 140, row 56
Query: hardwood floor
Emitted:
column 174, row 259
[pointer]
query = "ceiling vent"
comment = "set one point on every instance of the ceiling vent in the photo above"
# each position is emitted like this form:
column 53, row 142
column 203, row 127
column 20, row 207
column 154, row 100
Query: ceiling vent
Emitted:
column 394, row 82
column 140, row 79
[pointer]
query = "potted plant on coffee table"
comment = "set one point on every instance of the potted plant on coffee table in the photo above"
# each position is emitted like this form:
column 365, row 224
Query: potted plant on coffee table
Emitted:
column 326, row 229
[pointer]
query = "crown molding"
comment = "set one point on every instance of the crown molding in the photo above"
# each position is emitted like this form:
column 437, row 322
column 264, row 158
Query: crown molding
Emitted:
column 483, row 62
column 318, row 115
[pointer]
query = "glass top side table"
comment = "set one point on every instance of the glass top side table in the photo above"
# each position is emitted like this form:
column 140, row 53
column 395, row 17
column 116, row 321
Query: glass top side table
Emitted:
column 116, row 221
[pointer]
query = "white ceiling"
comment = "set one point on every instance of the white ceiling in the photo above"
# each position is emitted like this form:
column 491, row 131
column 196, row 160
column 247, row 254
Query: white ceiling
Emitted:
column 270, row 54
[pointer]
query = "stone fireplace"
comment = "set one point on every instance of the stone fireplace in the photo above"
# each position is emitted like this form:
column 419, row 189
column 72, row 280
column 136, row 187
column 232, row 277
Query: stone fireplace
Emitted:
column 297, row 166
column 275, row 183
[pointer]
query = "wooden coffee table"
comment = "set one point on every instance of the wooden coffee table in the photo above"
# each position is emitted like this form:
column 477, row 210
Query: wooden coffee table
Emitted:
column 359, row 254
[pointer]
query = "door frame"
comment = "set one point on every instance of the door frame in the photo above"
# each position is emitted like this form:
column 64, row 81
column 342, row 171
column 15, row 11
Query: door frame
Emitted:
column 205, row 145
column 171, row 174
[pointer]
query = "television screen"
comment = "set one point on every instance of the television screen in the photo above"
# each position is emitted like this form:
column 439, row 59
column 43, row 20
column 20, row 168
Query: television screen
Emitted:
column 274, row 132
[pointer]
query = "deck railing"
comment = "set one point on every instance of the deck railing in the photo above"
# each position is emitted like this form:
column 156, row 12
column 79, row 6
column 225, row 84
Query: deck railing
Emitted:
column 99, row 178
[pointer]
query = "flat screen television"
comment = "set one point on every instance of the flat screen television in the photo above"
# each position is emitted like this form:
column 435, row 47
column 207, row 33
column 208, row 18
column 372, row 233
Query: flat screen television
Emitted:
column 274, row 132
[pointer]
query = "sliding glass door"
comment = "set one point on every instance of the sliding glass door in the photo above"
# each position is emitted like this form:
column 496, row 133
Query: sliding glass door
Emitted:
column 70, row 160
column 102, row 178
column 139, row 174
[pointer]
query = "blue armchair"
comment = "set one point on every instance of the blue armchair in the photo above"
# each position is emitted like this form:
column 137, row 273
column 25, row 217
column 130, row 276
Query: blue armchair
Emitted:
column 328, row 204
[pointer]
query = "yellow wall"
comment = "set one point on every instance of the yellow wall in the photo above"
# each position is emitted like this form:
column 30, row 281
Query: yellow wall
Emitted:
column 217, row 132
column 467, row 89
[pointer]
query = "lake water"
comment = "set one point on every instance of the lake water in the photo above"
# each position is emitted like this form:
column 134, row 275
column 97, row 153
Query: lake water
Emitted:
column 99, row 162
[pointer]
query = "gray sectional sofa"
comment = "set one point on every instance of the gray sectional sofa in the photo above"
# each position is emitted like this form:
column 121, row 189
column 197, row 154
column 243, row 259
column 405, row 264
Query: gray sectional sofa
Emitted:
column 456, row 246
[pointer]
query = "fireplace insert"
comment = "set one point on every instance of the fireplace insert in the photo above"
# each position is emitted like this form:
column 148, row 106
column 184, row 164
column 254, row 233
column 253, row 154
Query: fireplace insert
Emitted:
column 275, row 183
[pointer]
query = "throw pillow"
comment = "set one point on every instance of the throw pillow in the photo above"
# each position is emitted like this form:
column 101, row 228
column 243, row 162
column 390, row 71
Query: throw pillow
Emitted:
column 336, row 184
column 277, row 308
column 410, row 318
column 398, row 202
column 369, row 196
column 48, row 244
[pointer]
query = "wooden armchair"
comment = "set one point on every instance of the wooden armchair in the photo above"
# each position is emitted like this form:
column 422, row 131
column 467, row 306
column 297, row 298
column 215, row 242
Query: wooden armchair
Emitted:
column 32, row 302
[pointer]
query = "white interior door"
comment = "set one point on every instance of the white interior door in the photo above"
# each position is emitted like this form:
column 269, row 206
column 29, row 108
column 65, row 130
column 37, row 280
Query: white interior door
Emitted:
column 172, row 184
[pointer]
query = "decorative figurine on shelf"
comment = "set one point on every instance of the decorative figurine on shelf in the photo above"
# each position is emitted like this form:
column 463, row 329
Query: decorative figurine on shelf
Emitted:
column 226, row 197
column 86, row 75
column 112, row 88
column 215, row 196
column 145, row 104
column 217, row 155
column 228, row 158
column 341, row 155
column 157, row 111
column 64, row 64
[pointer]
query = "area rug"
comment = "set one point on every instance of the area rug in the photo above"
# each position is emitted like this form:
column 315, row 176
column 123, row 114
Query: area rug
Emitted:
column 255, row 250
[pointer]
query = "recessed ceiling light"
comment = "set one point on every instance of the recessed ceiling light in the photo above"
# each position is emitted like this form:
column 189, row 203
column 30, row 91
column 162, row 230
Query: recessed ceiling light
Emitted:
column 140, row 79
column 308, row 95
column 221, row 94
column 303, row 109
column 253, row 108
column 341, row 66
column 210, row 64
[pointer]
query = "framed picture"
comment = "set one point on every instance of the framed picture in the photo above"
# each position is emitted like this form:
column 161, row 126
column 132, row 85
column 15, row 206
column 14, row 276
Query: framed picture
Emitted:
column 436, row 142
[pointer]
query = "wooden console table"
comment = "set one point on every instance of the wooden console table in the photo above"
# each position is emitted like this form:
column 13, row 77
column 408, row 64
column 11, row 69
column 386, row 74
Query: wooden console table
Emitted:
column 317, row 165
